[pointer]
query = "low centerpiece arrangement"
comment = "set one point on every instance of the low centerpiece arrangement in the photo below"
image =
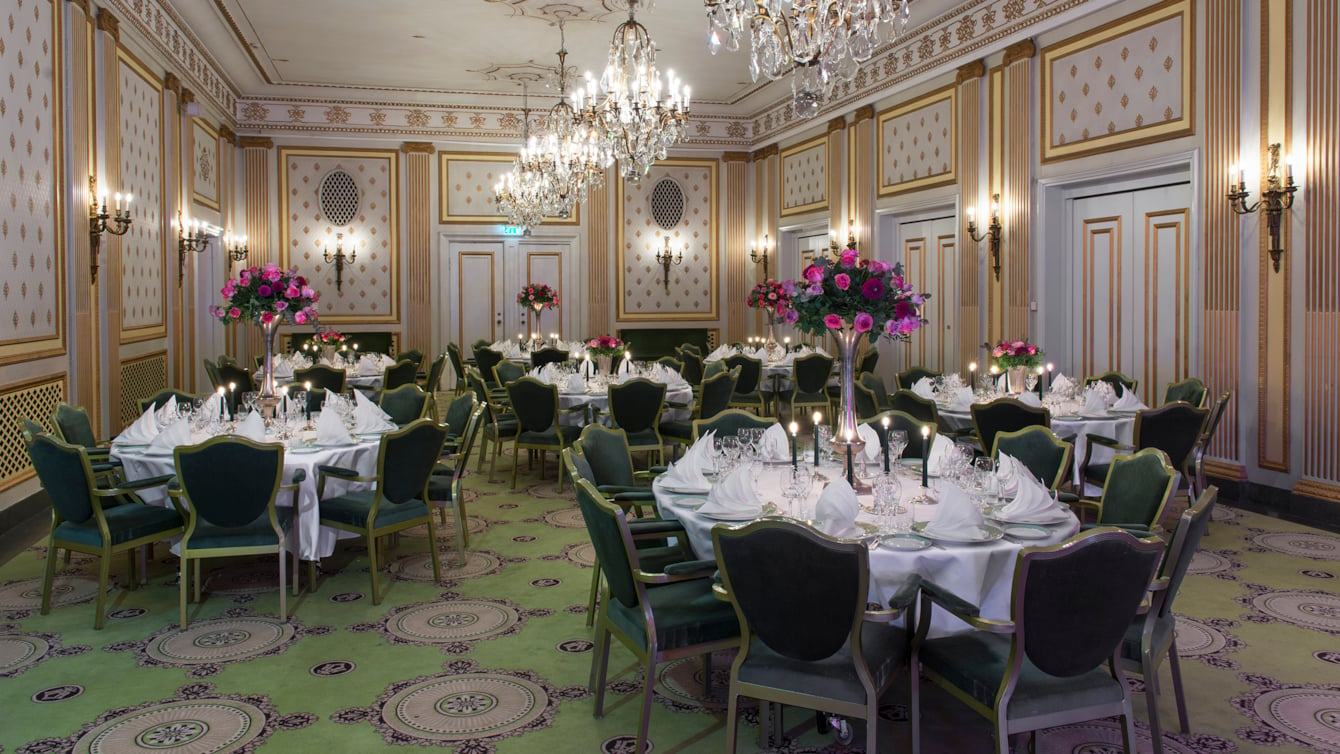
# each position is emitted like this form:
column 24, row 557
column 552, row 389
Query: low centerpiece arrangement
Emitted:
column 774, row 299
column 850, row 299
column 325, row 343
column 1016, row 358
column 537, row 297
column 267, row 296
column 603, row 349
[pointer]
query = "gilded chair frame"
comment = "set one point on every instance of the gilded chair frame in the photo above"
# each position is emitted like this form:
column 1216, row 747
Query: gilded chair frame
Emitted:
column 403, row 372
column 1018, row 413
column 1116, row 379
column 732, row 419
column 1119, row 470
column 905, row 379
column 561, row 433
column 394, row 394
column 802, row 397
column 655, row 405
column 321, row 376
column 1043, row 435
column 753, row 396
column 455, row 486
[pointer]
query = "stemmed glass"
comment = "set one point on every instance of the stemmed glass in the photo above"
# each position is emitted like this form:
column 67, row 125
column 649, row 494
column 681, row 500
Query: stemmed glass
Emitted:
column 729, row 448
column 897, row 444
column 888, row 502
column 985, row 482
column 796, row 484
column 1030, row 381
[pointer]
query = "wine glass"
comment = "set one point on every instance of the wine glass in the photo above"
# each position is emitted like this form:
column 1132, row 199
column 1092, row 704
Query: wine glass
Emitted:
column 888, row 502
column 729, row 448
column 897, row 444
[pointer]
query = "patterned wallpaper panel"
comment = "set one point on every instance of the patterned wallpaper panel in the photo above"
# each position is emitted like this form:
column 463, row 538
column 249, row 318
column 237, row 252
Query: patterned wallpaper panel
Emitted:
column 916, row 143
column 1126, row 82
column 32, row 400
column 370, row 285
column 804, row 177
column 204, row 164
column 466, row 192
column 30, row 249
column 692, row 294
column 142, row 259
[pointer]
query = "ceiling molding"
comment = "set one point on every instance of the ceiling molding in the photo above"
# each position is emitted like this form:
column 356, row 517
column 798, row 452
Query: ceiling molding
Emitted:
column 158, row 23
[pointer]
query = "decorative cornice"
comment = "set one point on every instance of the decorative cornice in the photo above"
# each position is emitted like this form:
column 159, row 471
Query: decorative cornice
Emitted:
column 418, row 147
column 735, row 157
column 187, row 96
column 160, row 26
column 172, row 83
column 974, row 70
column 82, row 5
column 227, row 134
column 255, row 142
column 837, row 124
column 863, row 113
column 1022, row 50
column 764, row 153
column 109, row 24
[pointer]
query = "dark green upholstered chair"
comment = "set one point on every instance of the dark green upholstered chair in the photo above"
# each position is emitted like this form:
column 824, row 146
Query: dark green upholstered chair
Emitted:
column 230, row 514
column 869, row 360
column 809, row 383
column 1071, row 605
column 1197, row 475
column 1190, row 390
column 713, row 399
column 917, row 447
column 713, row 368
column 1175, row 428
column 658, row 617
column 321, row 376
column 405, row 461
column 236, row 381
column 433, row 379
column 457, row 367
column 535, row 406
column 506, row 372
column 1120, row 383
column 30, row 428
column 458, row 413
column 402, row 372
column 691, row 368
column 691, row 348
column 414, row 355
column 226, row 360
column 444, row 487
column 485, row 360
column 80, row 521
column 671, row 363
column 729, row 422
column 875, row 384
column 806, row 637
column 747, row 394
column 73, row 426
column 1005, row 415
column 1137, row 489
column 475, row 348
column 905, row 379
column 405, row 404
column 212, row 373
column 1038, row 449
column 867, row 402
column 548, row 356
column 499, row 421
column 160, row 399
column 635, row 407
column 1152, row 637
column 910, row 403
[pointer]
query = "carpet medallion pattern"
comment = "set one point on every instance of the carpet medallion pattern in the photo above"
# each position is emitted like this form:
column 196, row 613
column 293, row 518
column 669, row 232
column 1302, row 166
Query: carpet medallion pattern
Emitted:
column 206, row 646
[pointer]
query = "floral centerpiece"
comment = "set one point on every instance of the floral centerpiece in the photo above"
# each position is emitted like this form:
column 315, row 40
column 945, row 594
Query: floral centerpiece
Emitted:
column 267, row 296
column 604, row 349
column 325, row 342
column 538, row 297
column 773, row 298
column 1016, row 358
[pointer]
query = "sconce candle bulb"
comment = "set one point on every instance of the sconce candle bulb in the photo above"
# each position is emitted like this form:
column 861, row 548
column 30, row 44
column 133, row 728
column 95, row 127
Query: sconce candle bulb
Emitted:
column 1276, row 197
column 340, row 259
column 98, row 221
column 993, row 232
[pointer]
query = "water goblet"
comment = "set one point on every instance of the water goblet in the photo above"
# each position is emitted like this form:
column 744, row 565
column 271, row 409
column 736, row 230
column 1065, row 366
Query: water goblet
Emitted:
column 897, row 444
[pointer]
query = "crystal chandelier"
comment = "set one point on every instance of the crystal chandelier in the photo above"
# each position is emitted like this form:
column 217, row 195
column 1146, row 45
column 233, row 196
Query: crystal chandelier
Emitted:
column 567, row 153
column 636, row 114
column 524, row 194
column 820, row 42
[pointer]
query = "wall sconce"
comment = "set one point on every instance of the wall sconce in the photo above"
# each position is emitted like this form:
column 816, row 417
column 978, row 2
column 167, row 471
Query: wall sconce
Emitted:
column 192, row 235
column 851, row 239
column 1275, row 198
column 992, row 231
column 236, row 246
column 340, row 259
column 97, row 221
column 759, row 255
column 665, row 259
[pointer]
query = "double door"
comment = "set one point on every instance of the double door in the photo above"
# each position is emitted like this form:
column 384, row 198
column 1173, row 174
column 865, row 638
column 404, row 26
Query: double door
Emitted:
column 482, row 279
column 928, row 249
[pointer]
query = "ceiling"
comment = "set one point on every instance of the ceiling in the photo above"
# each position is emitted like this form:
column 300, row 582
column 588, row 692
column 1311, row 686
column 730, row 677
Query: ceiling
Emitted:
column 460, row 50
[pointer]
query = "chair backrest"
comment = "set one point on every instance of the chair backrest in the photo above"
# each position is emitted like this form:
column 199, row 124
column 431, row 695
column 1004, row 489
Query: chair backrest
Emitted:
column 485, row 360
column 435, row 370
column 1039, row 450
column 226, row 360
column 1138, row 487
column 914, row 405
column 473, row 423
column 30, row 428
column 671, row 363
column 713, row 368
column 867, row 403
column 476, row 346
column 458, row 413
column 692, row 348
column 729, row 422
column 1073, row 602
column 400, row 373
column 548, row 356
column 73, row 425
column 1216, row 415
column 212, row 372
column 1190, row 390
column 321, row 376
column 805, row 606
column 751, row 371
column 216, row 492
column 905, row 379
column 161, row 398
column 457, row 363
column 716, row 393
column 414, row 355
column 63, row 470
column 507, row 371
column 636, row 405
column 916, row 445
column 608, row 529
column 406, row 459
column 1182, row 549
column 232, row 374
column 868, row 361
column 1006, row 415
column 812, row 372
column 481, row 393
column 692, row 367
column 875, row 384
column 534, row 403
column 606, row 451
column 1173, row 428
column 404, row 404
column 1120, row 383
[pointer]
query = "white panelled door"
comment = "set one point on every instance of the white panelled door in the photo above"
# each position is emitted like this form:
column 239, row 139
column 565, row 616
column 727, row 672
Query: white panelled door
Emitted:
column 928, row 249
column 543, row 262
column 476, row 306
column 1131, row 291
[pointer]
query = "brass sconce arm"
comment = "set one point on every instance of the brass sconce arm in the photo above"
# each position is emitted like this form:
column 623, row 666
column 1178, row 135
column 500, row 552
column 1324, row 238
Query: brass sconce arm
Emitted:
column 993, row 232
column 340, row 259
column 665, row 259
column 101, row 221
column 759, row 255
column 192, row 235
column 1276, row 197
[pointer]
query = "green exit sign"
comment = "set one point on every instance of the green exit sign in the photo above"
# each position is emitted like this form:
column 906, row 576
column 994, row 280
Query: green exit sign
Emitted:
column 512, row 230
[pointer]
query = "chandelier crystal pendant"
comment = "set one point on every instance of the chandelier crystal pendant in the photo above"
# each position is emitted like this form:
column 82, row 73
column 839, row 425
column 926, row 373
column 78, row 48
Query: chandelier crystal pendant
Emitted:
column 524, row 194
column 819, row 42
column 636, row 114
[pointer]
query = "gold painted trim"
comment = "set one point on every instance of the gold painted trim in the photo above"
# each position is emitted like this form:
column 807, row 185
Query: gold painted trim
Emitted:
column 1276, row 121
column 1229, row 470
column 444, row 215
column 392, row 157
column 920, row 103
column 713, row 250
column 794, row 149
column 196, row 196
column 255, row 142
column 1327, row 491
column 1120, row 140
column 149, row 332
column 418, row 147
column 474, row 288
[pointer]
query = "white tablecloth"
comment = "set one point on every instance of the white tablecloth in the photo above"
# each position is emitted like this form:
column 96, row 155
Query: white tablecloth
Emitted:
column 601, row 402
column 1119, row 428
column 980, row 573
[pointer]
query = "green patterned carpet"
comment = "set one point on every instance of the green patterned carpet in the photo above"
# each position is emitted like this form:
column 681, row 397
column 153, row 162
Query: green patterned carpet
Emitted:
column 496, row 658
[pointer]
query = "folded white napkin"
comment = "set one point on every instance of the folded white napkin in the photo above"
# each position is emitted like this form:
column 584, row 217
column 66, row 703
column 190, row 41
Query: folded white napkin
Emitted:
column 283, row 369
column 368, row 416
column 719, row 353
column 1094, row 404
column 334, row 401
column 575, row 384
column 252, row 427
column 1129, row 402
column 369, row 364
column 167, row 413
column 953, row 382
column 941, row 448
column 1030, row 398
column 174, row 434
column 142, row 431
column 956, row 517
column 1032, row 502
column 835, row 513
column 775, row 445
column 960, row 399
column 686, row 474
column 330, row 430
column 733, row 497
column 1008, row 469
column 924, row 388
column 872, row 450
column 1062, row 384
column 212, row 405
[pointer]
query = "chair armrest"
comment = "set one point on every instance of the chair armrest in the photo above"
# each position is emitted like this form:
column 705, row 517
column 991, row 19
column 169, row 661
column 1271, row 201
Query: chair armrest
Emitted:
column 670, row 578
column 1160, row 584
column 651, row 473
column 574, row 410
column 654, row 527
column 904, row 598
column 1105, row 441
column 1135, row 530
column 948, row 600
column 634, row 496
column 299, row 476
column 338, row 471
column 137, row 484
column 1087, row 503
column 100, row 450
column 695, row 568
column 1067, row 498
column 611, row 489
column 101, row 466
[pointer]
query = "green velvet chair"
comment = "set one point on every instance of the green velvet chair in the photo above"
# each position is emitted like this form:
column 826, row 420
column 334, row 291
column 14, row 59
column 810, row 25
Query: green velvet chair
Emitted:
column 1175, row 428
column 506, row 372
column 917, row 446
column 1190, row 390
column 1040, row 451
column 405, row 461
column 402, row 372
column 1005, row 415
column 912, row 404
column 807, row 638
column 458, row 413
column 905, row 379
column 729, row 422
column 444, row 487
column 1137, row 489
column 809, row 383
column 869, row 360
column 73, row 425
column 659, row 617
column 691, row 368
column 225, row 360
column 432, row 381
column 160, row 399
column 1152, row 637
column 549, row 356
column 475, row 348
column 635, row 407
column 535, row 405
column 457, row 367
column 212, row 373
column 1071, row 604
column 231, row 514
column 485, row 360
column 866, row 402
column 320, row 376
column 671, row 363
column 1197, row 475
column 1120, row 383
column 499, row 421
column 713, row 368
column 82, row 523
column 236, row 381
column 747, row 394
column 712, row 400
column 413, row 355
column 405, row 404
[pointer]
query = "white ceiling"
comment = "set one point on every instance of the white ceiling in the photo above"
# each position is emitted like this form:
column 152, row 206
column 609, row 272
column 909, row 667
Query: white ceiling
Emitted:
column 458, row 50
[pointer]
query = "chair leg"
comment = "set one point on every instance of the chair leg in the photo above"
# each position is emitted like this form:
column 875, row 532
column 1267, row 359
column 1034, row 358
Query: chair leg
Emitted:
column 197, row 580
column 372, row 568
column 1174, row 665
column 131, row 571
column 914, row 701
column 296, row 568
column 432, row 551
column 558, row 471
column 600, row 659
column 764, row 717
column 283, row 597
column 516, row 458
column 1127, row 725
column 871, row 725
column 311, row 576
column 183, row 580
column 707, row 675
column 104, row 569
column 1152, row 705
column 49, row 575
column 591, row 601
column 648, row 688
column 732, row 713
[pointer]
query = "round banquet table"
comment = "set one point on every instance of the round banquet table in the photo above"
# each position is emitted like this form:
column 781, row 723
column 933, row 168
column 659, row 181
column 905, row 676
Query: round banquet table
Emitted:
column 1120, row 427
column 982, row 574
column 600, row 401
column 308, row 538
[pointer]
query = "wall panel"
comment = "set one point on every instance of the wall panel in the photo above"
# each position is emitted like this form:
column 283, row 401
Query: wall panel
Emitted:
column 916, row 144
column 803, row 177
column 143, row 165
column 692, row 293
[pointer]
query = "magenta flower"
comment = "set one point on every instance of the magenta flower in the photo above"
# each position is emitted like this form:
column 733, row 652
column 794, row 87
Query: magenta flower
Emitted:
column 235, row 313
column 873, row 288
column 891, row 327
column 292, row 292
column 902, row 310
column 300, row 317
column 848, row 258
column 792, row 316
column 281, row 306
column 814, row 274
column 863, row 322
column 264, row 291
column 833, row 321
column 267, row 317
column 842, row 280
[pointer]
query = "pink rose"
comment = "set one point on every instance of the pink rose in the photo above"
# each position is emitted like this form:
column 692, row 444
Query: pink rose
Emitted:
column 833, row 321
column 292, row 292
column 873, row 288
column 792, row 316
column 281, row 305
column 842, row 280
column 267, row 317
column 308, row 292
column 814, row 275
column 863, row 322
column 1032, row 350
column 235, row 313
column 848, row 258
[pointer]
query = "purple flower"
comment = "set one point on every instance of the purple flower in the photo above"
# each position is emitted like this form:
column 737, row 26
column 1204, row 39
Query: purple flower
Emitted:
column 816, row 289
column 833, row 321
column 863, row 322
column 873, row 288
column 792, row 316
column 842, row 280
column 814, row 274
column 891, row 327
column 264, row 291
column 848, row 258
column 902, row 309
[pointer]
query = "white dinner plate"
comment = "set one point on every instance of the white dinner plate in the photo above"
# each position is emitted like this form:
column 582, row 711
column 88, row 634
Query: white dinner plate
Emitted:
column 1067, row 417
column 303, row 449
column 903, row 542
column 683, row 491
column 320, row 446
column 1123, row 411
column 732, row 516
column 1027, row 531
column 989, row 534
column 1055, row 516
